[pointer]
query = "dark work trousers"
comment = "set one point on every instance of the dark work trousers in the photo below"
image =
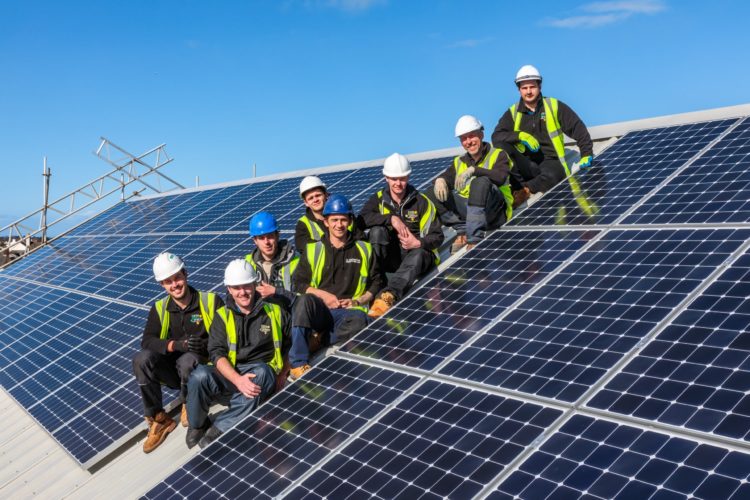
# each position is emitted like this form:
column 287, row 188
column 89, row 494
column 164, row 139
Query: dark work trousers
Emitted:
column 533, row 170
column 404, row 266
column 483, row 210
column 153, row 369
column 334, row 325
column 208, row 386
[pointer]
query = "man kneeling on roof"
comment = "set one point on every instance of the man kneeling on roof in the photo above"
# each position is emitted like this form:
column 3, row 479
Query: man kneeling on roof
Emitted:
column 405, row 232
column 174, row 343
column 247, row 344
column 336, row 278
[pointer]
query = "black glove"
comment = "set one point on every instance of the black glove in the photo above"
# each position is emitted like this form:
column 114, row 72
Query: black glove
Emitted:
column 180, row 346
column 196, row 344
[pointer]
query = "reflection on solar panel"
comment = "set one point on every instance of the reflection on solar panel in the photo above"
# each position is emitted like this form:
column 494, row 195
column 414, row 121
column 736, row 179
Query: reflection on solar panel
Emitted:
column 444, row 313
column 621, row 176
column 290, row 434
column 601, row 459
column 695, row 373
column 715, row 188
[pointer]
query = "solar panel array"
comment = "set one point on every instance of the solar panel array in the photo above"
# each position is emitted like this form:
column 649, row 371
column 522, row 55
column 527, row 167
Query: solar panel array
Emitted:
column 593, row 347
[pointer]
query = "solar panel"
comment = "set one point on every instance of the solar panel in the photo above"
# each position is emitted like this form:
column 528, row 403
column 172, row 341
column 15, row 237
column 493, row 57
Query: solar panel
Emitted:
column 714, row 189
column 621, row 176
column 444, row 313
column 696, row 373
column 441, row 441
column 288, row 435
column 594, row 458
column 573, row 328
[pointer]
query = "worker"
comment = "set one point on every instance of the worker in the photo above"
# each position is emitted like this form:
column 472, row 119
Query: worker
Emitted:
column 247, row 344
column 273, row 259
column 174, row 343
column 473, row 194
column 405, row 232
column 337, row 277
column 532, row 133
column 310, row 227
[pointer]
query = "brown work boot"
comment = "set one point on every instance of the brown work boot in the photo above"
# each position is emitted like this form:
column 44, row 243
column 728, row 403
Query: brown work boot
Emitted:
column 380, row 305
column 458, row 243
column 469, row 246
column 183, row 416
column 315, row 342
column 161, row 425
column 520, row 196
column 296, row 373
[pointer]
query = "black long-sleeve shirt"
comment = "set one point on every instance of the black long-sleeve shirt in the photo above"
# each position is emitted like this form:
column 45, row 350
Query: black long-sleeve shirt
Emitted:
column 182, row 323
column 254, row 334
column 411, row 209
column 284, row 255
column 497, row 174
column 340, row 274
column 533, row 122
column 302, row 235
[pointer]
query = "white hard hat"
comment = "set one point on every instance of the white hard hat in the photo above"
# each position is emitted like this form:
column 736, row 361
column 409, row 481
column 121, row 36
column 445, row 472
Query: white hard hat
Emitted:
column 240, row 272
column 466, row 124
column 310, row 182
column 528, row 72
column 167, row 264
column 396, row 165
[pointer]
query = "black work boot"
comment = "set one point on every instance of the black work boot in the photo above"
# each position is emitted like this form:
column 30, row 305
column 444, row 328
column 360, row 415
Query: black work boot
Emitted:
column 211, row 434
column 193, row 436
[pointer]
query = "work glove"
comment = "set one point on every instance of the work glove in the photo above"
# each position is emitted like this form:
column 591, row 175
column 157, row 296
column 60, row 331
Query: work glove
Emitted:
column 196, row 344
column 529, row 141
column 180, row 346
column 441, row 189
column 585, row 162
column 463, row 178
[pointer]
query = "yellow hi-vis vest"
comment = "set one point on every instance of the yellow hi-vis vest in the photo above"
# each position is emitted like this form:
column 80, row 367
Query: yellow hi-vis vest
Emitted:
column 316, row 257
column 285, row 273
column 312, row 227
column 424, row 222
column 488, row 163
column 207, row 302
column 553, row 129
column 273, row 312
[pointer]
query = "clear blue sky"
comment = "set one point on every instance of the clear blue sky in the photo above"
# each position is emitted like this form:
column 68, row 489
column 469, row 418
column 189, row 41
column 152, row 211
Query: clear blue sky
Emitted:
column 293, row 84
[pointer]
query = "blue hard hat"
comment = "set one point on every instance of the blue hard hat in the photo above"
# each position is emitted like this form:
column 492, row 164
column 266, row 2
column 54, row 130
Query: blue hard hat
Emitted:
column 337, row 204
column 263, row 223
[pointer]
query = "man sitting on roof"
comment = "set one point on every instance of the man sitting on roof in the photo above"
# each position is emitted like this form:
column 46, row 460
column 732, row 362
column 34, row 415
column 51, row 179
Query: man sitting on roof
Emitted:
column 273, row 259
column 174, row 343
column 405, row 232
column 336, row 278
column 247, row 344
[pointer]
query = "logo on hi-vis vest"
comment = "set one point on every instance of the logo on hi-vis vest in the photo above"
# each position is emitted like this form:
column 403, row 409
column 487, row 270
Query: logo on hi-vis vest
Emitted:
column 265, row 329
column 411, row 215
column 196, row 319
column 353, row 260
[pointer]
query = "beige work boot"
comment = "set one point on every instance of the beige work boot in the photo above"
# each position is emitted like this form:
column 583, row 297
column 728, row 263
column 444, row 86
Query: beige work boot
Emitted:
column 183, row 416
column 296, row 373
column 380, row 305
column 469, row 246
column 520, row 196
column 161, row 425
column 458, row 243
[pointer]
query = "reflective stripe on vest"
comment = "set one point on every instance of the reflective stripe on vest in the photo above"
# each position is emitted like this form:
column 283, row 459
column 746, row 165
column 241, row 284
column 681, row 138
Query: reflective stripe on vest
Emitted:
column 207, row 302
column 285, row 273
column 316, row 257
column 488, row 163
column 274, row 314
column 312, row 228
column 424, row 222
column 553, row 129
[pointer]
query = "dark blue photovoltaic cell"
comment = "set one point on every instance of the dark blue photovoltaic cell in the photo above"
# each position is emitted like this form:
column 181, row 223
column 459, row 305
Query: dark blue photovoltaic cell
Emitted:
column 441, row 441
column 621, row 176
column 445, row 312
column 714, row 189
column 695, row 373
column 569, row 332
column 289, row 434
column 591, row 458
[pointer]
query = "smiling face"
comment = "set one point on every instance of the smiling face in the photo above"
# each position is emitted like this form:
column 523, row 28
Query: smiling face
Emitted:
column 397, row 185
column 529, row 90
column 176, row 285
column 315, row 199
column 243, row 295
column 267, row 244
column 338, row 225
column 472, row 141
